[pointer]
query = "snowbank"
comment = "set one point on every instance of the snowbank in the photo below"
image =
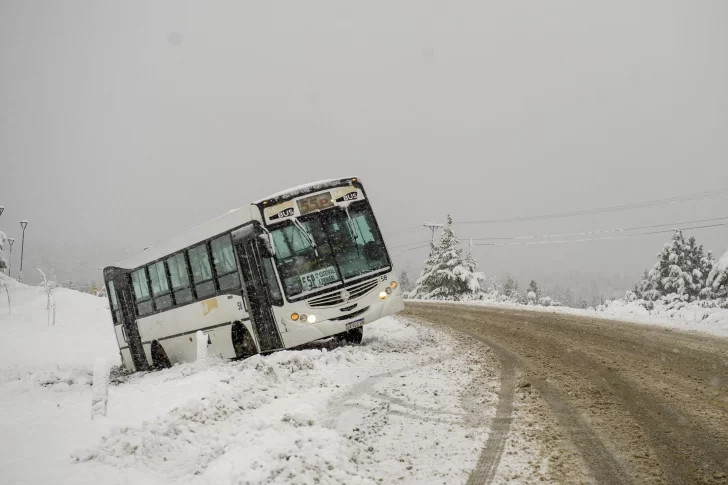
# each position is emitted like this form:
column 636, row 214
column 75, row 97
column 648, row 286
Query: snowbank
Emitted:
column 695, row 316
column 65, row 352
column 384, row 412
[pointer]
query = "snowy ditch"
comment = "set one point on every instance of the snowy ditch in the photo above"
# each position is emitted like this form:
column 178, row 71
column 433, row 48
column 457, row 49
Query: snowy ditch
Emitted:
column 411, row 405
column 386, row 410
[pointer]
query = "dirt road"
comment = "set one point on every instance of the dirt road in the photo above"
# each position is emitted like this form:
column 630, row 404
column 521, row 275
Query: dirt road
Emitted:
column 630, row 403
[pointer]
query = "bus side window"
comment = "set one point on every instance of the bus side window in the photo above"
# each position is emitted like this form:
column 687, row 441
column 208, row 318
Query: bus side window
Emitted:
column 225, row 266
column 160, row 287
column 114, row 300
column 141, row 292
column 179, row 276
column 201, row 271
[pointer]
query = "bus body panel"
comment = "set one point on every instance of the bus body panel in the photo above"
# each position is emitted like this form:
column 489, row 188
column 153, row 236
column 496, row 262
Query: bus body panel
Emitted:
column 329, row 328
column 370, row 307
column 195, row 316
column 126, row 359
column 176, row 330
column 183, row 348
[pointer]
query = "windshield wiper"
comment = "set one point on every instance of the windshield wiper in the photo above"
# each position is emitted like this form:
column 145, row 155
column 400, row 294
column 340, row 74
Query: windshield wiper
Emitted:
column 352, row 229
column 311, row 241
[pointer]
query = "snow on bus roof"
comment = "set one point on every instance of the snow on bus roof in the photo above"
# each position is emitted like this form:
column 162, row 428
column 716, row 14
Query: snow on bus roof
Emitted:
column 310, row 187
column 219, row 225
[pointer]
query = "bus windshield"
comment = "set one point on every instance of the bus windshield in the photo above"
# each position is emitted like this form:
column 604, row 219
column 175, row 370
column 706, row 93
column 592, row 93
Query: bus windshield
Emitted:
column 347, row 244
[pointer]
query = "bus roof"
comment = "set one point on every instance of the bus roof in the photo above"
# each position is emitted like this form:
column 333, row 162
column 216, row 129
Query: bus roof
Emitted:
column 219, row 225
column 310, row 187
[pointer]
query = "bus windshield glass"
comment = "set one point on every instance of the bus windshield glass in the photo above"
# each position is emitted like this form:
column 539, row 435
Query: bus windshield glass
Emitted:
column 347, row 244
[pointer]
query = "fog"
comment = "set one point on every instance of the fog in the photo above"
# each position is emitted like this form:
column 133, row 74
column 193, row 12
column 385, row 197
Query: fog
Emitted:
column 124, row 124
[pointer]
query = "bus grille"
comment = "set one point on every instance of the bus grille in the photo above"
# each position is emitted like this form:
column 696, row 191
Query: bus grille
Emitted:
column 356, row 291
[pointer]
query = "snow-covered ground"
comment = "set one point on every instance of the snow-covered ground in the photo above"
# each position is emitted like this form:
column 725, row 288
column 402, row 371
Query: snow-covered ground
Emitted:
column 690, row 317
column 391, row 410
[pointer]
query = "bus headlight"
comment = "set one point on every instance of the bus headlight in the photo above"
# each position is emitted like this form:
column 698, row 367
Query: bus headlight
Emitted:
column 393, row 285
column 311, row 319
column 294, row 316
column 383, row 295
column 303, row 318
column 388, row 290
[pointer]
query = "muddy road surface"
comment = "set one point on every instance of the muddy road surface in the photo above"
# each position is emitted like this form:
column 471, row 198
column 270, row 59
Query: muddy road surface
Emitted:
column 631, row 403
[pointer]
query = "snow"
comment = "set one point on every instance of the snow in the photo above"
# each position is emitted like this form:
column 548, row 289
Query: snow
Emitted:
column 390, row 410
column 82, row 333
column 308, row 187
column 719, row 274
column 690, row 317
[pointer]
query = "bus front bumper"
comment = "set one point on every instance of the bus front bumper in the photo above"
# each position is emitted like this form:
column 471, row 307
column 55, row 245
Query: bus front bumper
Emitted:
column 327, row 328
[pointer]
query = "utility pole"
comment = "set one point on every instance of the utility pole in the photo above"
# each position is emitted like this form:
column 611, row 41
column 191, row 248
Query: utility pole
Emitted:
column 11, row 240
column 432, row 227
column 23, row 224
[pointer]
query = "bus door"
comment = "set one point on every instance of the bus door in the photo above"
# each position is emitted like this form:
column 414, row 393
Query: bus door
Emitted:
column 128, row 314
column 251, row 254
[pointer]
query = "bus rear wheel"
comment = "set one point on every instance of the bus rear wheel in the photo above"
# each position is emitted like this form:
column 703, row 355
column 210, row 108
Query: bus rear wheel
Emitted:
column 353, row 336
column 159, row 356
column 242, row 341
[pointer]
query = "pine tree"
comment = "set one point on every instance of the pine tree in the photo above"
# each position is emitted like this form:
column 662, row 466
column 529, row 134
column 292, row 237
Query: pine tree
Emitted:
column 423, row 285
column 446, row 274
column 510, row 287
column 642, row 286
column 717, row 280
column 475, row 279
column 533, row 288
column 404, row 282
column 680, row 269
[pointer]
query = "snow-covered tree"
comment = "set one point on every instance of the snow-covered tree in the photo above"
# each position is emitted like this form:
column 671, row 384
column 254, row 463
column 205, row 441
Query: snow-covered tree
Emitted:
column 512, row 290
column 476, row 279
column 48, row 284
column 447, row 274
column 717, row 279
column 423, row 284
column 404, row 282
column 3, row 261
column 533, row 288
column 680, row 269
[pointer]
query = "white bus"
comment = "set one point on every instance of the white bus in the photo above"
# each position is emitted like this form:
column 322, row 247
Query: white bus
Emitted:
column 297, row 266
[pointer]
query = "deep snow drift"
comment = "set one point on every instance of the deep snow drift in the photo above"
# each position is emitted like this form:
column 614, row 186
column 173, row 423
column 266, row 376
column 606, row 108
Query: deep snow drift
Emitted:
column 391, row 410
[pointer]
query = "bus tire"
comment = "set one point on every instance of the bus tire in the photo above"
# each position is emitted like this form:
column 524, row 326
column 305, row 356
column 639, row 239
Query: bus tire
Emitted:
column 353, row 336
column 242, row 341
column 159, row 356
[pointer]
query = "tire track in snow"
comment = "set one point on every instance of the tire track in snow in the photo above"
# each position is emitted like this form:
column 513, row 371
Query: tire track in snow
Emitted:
column 500, row 428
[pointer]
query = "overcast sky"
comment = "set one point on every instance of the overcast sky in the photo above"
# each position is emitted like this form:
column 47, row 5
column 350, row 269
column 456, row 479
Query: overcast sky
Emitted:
column 125, row 123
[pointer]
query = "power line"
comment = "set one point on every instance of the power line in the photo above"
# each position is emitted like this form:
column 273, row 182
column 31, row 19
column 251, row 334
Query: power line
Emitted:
column 528, row 243
column 583, row 233
column 603, row 231
column 623, row 236
column 409, row 244
column 615, row 208
column 411, row 249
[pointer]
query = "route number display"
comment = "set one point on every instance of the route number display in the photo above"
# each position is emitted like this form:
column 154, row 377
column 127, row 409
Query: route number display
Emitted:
column 321, row 277
column 315, row 203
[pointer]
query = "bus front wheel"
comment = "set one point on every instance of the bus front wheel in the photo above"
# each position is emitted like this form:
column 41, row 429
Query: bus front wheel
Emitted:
column 353, row 336
column 242, row 341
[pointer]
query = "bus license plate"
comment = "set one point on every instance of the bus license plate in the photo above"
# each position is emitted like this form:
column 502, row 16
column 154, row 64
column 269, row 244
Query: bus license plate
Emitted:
column 355, row 324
